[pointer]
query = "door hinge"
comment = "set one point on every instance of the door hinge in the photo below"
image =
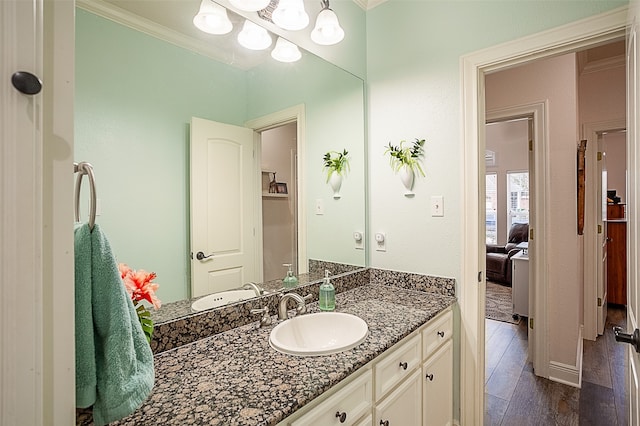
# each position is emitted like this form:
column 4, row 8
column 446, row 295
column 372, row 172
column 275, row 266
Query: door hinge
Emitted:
column 599, row 156
column 599, row 301
column 531, row 234
column 531, row 323
column 599, row 229
column 531, row 145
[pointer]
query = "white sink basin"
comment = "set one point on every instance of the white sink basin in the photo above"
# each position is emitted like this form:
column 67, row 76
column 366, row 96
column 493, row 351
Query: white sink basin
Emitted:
column 220, row 299
column 322, row 333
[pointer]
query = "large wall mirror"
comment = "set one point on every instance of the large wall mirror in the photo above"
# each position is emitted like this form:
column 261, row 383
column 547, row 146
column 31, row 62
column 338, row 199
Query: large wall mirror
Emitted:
column 136, row 95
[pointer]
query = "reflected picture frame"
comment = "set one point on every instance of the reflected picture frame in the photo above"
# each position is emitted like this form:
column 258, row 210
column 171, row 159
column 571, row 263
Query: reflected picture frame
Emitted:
column 281, row 188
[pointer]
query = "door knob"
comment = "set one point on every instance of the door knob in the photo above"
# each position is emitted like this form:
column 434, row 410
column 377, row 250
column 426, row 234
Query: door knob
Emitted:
column 26, row 83
column 201, row 256
column 634, row 338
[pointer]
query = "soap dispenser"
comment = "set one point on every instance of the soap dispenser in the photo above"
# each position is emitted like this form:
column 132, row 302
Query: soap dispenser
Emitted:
column 290, row 281
column 327, row 299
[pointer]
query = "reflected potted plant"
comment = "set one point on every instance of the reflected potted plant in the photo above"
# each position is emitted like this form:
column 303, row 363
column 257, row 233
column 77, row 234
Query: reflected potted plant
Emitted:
column 139, row 286
column 336, row 164
column 405, row 160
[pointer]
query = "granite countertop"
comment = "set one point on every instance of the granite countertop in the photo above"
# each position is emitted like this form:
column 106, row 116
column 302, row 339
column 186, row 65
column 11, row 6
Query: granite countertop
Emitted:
column 236, row 378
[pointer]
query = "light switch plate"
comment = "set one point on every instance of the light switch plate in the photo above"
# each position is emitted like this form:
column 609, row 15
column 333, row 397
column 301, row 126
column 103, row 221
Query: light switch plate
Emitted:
column 437, row 205
column 319, row 206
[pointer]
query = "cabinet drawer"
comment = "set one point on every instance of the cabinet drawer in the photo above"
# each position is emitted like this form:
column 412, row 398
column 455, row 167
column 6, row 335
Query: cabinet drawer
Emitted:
column 354, row 400
column 439, row 330
column 396, row 365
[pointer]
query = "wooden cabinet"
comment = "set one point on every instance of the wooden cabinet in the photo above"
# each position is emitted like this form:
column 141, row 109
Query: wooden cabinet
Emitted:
column 617, row 262
column 412, row 385
column 616, row 211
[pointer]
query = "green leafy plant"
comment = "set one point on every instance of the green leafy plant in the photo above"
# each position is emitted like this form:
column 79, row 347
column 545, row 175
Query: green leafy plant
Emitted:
column 409, row 156
column 337, row 162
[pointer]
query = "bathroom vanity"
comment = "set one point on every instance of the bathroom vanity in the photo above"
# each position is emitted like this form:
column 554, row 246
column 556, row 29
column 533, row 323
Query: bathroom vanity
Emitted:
column 401, row 373
column 409, row 384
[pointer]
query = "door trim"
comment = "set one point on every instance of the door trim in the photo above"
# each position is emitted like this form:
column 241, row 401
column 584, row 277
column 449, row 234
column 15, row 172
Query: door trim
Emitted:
column 590, row 132
column 564, row 39
column 295, row 113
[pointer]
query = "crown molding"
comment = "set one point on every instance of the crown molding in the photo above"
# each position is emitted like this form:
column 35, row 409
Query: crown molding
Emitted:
column 146, row 26
column 604, row 64
column 368, row 4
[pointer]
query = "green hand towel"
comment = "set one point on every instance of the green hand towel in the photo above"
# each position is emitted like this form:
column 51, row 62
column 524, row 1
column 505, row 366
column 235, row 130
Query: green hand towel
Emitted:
column 124, row 371
column 85, row 349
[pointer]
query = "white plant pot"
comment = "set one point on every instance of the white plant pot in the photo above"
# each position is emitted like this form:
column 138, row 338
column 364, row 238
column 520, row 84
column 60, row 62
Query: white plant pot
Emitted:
column 335, row 181
column 407, row 176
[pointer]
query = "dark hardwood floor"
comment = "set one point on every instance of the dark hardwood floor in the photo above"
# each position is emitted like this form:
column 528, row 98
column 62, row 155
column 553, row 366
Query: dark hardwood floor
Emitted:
column 514, row 395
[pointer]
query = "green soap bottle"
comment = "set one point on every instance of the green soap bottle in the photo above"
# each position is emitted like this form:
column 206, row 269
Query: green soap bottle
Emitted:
column 290, row 281
column 327, row 299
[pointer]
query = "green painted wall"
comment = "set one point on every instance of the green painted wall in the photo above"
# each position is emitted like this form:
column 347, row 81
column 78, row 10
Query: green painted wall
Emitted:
column 413, row 90
column 135, row 96
column 413, row 79
column 334, row 106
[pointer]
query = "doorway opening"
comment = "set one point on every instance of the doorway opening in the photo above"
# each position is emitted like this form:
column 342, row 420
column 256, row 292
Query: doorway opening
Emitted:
column 508, row 213
column 475, row 67
column 280, row 173
column 278, row 168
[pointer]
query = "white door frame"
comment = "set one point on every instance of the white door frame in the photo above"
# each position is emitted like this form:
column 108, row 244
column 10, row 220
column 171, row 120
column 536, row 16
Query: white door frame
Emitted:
column 295, row 113
column 538, row 214
column 590, row 132
column 37, row 373
column 567, row 38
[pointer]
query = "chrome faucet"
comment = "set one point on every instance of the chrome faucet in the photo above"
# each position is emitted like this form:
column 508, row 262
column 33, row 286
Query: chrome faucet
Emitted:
column 300, row 309
column 255, row 287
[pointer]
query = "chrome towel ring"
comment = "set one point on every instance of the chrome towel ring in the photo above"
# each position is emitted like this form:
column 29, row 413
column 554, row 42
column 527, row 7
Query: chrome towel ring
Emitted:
column 82, row 169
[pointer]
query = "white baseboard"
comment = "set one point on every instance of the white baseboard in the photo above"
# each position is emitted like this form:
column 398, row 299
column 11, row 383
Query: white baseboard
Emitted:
column 568, row 374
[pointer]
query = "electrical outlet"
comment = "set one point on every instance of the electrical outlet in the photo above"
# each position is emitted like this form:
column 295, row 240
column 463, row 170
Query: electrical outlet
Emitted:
column 319, row 206
column 437, row 205
column 381, row 242
column 358, row 237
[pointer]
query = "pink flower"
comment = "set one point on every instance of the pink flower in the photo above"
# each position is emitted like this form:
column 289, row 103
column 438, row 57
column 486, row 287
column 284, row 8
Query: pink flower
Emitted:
column 139, row 286
column 124, row 270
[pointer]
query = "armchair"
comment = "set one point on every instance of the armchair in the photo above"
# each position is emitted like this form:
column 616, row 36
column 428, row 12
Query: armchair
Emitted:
column 499, row 257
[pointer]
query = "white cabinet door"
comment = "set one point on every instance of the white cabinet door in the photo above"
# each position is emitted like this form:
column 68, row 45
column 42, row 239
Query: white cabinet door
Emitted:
column 402, row 407
column 437, row 389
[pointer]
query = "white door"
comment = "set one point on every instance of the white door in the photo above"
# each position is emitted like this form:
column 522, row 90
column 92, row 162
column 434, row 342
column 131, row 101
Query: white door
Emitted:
column 223, row 202
column 601, row 197
column 633, row 204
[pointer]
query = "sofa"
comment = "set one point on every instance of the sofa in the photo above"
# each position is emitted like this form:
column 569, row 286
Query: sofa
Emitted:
column 499, row 256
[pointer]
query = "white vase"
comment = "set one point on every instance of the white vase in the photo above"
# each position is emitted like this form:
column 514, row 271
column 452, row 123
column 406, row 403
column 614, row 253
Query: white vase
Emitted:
column 335, row 181
column 406, row 176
